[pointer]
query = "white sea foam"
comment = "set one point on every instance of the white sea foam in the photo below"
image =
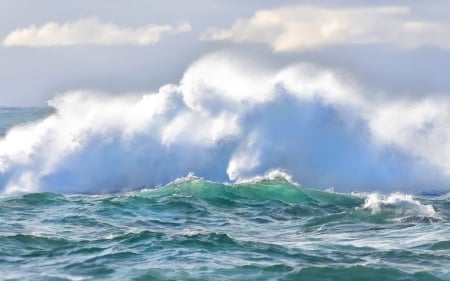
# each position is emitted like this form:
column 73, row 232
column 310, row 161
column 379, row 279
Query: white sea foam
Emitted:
column 270, row 176
column 191, row 177
column 401, row 204
column 229, row 120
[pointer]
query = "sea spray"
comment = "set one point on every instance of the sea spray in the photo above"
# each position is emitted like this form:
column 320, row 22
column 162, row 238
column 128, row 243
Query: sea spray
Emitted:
column 399, row 202
column 227, row 121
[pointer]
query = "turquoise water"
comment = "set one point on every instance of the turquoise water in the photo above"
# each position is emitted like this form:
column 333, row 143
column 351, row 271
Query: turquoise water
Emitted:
column 198, row 230
column 192, row 229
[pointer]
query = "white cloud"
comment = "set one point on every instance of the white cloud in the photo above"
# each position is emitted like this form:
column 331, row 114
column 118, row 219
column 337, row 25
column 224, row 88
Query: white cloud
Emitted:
column 89, row 31
column 307, row 27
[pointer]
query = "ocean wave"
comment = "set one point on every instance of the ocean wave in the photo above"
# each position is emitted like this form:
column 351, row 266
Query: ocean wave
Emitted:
column 191, row 193
column 225, row 121
column 403, row 206
column 445, row 196
column 271, row 175
column 270, row 229
column 261, row 189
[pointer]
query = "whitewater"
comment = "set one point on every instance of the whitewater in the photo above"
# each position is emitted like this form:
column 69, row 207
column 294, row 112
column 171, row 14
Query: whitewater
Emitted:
column 244, row 172
column 232, row 124
column 265, row 228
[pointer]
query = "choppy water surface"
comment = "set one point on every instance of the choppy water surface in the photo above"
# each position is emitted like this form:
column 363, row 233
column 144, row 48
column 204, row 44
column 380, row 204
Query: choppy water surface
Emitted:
column 198, row 230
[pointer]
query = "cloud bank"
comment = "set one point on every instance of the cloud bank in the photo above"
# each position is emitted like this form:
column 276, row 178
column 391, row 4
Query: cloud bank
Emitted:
column 89, row 31
column 296, row 28
column 230, row 120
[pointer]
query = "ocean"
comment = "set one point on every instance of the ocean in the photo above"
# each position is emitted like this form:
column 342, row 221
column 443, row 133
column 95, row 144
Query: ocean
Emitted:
column 265, row 228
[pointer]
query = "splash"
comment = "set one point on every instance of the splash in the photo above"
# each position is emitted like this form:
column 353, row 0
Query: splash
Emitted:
column 272, row 175
column 228, row 120
column 403, row 205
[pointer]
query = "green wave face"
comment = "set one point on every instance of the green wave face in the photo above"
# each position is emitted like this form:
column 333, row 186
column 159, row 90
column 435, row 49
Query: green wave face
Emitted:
column 198, row 230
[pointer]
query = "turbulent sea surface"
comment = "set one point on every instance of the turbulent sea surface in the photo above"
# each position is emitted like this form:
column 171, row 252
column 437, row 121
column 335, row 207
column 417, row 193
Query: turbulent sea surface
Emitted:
column 198, row 230
column 193, row 229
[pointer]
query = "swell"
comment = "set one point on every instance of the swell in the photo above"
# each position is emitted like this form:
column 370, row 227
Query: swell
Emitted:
column 271, row 229
column 281, row 199
column 263, row 190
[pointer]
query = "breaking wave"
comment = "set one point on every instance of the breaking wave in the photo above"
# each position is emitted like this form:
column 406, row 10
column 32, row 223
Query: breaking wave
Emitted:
column 225, row 121
column 402, row 206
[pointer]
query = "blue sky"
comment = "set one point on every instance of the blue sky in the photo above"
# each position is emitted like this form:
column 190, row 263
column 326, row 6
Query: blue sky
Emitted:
column 353, row 94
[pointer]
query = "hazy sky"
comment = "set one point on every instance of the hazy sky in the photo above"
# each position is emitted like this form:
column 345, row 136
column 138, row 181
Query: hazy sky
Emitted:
column 30, row 74
column 49, row 46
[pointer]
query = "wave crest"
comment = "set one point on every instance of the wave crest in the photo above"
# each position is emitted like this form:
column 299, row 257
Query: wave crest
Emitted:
column 272, row 175
column 402, row 205
column 227, row 121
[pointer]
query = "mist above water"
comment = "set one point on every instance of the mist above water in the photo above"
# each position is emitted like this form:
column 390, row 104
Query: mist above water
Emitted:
column 229, row 120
